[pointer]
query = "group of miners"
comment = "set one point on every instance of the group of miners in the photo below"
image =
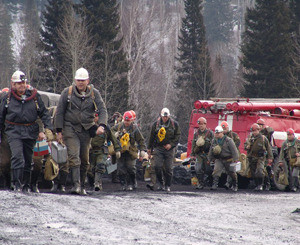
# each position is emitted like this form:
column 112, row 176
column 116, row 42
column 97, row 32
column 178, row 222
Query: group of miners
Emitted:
column 81, row 124
column 221, row 147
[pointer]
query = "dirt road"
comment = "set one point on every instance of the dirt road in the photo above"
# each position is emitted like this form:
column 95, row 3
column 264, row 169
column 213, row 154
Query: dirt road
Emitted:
column 184, row 216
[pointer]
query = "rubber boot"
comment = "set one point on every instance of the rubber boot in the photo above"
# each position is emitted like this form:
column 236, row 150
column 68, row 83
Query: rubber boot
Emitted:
column 26, row 181
column 267, row 183
column 17, row 176
column 234, row 186
column 133, row 181
column 215, row 183
column 295, row 182
column 228, row 182
column 200, row 184
column 114, row 177
column 34, row 181
column 98, row 182
column 122, row 179
column 260, row 182
column 152, row 181
column 83, row 175
column 62, row 181
column 76, row 181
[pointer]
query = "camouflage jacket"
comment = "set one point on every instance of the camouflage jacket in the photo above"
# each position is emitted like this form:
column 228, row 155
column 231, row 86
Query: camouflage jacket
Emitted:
column 208, row 137
column 228, row 147
column 259, row 147
column 268, row 132
column 289, row 150
column 235, row 137
column 102, row 140
column 136, row 137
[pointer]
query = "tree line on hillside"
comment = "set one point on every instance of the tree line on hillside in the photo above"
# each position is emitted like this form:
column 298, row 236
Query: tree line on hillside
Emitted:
column 145, row 55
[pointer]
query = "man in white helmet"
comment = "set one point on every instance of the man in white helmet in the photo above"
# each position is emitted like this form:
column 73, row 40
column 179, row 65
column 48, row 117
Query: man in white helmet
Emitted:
column 19, row 110
column 77, row 109
column 223, row 152
column 164, row 137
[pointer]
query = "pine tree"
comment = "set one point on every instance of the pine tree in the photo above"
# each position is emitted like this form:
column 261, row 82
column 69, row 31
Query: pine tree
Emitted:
column 218, row 18
column 267, row 50
column 109, row 73
column 6, row 53
column 194, row 71
column 52, row 71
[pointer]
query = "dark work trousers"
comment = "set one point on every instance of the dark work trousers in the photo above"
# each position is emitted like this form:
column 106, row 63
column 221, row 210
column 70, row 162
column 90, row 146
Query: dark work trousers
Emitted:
column 163, row 160
column 21, row 153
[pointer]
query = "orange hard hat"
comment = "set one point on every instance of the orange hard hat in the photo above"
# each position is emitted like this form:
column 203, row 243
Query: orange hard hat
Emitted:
column 201, row 120
column 290, row 131
column 133, row 114
column 5, row 90
column 255, row 126
column 224, row 124
column 129, row 116
column 261, row 121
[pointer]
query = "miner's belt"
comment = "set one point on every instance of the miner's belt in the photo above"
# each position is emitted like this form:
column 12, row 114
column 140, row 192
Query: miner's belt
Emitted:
column 19, row 124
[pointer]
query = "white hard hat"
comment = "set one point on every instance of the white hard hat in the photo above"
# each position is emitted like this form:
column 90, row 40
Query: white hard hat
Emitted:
column 81, row 74
column 165, row 112
column 219, row 129
column 18, row 77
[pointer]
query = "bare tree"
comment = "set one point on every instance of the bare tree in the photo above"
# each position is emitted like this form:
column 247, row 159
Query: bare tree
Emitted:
column 150, row 30
column 76, row 43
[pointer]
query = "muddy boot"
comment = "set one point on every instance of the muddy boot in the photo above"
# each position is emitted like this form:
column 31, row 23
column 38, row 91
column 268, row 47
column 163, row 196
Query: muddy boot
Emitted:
column 62, row 181
column 200, row 184
column 76, row 181
column 133, row 181
column 234, row 186
column 228, row 182
column 114, row 177
column 26, row 181
column 83, row 175
column 215, row 183
column 295, row 182
column 267, row 183
column 98, row 182
column 17, row 176
column 260, row 182
column 34, row 181
column 122, row 179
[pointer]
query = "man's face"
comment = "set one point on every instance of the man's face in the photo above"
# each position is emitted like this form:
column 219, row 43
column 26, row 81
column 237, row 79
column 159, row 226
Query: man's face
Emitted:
column 19, row 87
column 82, row 85
column 255, row 132
column 202, row 126
column 291, row 137
column 165, row 119
column 225, row 129
column 127, row 123
column 219, row 135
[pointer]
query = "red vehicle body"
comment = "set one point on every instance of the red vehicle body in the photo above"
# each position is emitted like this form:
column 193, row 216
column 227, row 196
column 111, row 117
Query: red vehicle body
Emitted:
column 242, row 113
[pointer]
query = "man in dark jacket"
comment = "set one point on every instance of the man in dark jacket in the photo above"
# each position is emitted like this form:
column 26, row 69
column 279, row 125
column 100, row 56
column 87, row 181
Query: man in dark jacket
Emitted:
column 164, row 137
column 19, row 110
column 78, row 106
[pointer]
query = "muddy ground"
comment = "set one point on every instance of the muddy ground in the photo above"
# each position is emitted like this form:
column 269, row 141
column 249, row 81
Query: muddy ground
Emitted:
column 185, row 216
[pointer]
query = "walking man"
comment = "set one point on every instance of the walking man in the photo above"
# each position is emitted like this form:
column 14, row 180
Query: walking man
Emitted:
column 78, row 106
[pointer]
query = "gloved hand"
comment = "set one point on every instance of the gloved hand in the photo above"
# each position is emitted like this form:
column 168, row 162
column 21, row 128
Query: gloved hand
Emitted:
column 142, row 154
column 49, row 134
column 118, row 154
